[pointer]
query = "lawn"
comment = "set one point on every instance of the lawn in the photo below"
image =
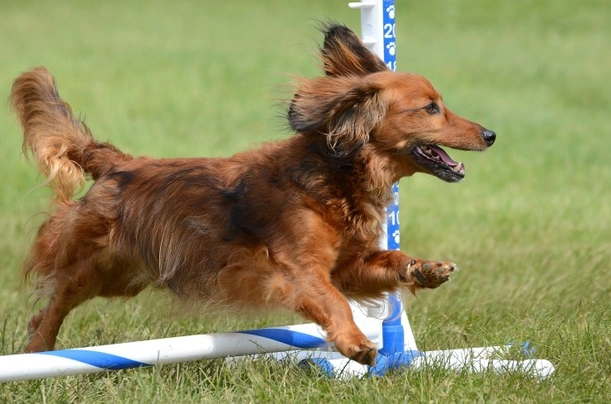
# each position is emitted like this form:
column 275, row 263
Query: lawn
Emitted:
column 530, row 226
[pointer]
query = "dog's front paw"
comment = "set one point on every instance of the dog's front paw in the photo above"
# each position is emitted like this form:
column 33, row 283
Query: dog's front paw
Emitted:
column 359, row 349
column 419, row 274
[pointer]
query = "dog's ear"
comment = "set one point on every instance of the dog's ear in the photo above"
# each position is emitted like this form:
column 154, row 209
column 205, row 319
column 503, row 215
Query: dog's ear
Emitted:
column 345, row 110
column 344, row 54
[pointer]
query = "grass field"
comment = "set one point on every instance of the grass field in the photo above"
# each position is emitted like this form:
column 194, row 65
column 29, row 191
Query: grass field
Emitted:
column 530, row 226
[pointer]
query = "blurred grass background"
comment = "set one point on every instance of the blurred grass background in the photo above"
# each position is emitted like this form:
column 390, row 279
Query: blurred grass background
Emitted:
column 529, row 226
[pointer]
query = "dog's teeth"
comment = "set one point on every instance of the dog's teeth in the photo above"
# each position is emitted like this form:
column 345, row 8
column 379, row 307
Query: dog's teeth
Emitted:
column 426, row 150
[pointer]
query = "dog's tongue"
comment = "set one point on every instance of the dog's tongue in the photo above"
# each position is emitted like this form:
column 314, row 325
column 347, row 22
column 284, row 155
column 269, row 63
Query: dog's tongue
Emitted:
column 443, row 155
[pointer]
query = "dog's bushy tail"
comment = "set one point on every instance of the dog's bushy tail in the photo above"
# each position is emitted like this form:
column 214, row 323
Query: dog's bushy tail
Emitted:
column 63, row 146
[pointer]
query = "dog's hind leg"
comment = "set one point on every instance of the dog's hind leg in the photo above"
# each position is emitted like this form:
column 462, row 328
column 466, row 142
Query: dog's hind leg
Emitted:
column 73, row 287
column 96, row 275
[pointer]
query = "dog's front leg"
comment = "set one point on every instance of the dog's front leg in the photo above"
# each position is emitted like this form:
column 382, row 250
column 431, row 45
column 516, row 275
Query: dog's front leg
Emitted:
column 322, row 303
column 385, row 271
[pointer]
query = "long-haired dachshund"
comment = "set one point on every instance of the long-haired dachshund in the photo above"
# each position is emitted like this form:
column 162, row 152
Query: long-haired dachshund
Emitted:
column 294, row 224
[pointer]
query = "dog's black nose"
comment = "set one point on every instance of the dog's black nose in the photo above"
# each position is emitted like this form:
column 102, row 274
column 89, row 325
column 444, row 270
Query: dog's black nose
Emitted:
column 489, row 137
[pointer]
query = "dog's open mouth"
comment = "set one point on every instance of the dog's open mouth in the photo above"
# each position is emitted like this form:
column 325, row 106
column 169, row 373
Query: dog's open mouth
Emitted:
column 439, row 163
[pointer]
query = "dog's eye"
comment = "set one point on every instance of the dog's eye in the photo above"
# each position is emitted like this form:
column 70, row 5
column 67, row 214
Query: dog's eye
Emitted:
column 432, row 108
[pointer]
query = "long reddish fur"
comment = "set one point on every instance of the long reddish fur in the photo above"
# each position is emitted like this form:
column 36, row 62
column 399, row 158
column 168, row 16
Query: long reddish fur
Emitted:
column 293, row 224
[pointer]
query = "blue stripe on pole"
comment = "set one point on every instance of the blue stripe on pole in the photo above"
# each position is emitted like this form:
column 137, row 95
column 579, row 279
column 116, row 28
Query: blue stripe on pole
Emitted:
column 388, row 27
column 393, row 230
column 292, row 338
column 393, row 332
column 98, row 359
column 390, row 58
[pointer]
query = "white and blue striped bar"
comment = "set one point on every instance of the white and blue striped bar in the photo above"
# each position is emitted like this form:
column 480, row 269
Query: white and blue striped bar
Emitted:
column 160, row 351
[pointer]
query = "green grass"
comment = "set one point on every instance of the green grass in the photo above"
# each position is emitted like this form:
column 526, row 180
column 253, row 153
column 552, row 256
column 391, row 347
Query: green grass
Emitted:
column 530, row 226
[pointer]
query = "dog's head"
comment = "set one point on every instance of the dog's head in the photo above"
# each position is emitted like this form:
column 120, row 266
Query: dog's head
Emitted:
column 361, row 105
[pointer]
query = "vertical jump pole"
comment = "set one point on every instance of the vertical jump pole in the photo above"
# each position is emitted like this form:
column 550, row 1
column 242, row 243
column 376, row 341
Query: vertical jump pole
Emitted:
column 378, row 34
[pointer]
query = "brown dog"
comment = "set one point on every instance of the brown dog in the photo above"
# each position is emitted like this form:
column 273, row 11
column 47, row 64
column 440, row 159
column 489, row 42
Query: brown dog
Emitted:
column 294, row 224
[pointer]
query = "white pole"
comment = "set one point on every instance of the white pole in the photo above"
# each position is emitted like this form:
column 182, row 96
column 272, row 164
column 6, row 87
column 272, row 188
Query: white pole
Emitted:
column 169, row 350
column 378, row 34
